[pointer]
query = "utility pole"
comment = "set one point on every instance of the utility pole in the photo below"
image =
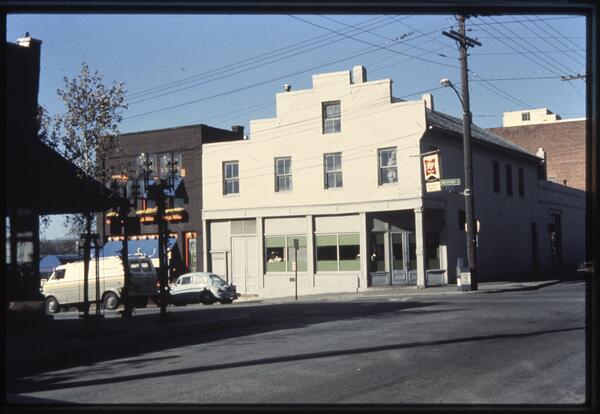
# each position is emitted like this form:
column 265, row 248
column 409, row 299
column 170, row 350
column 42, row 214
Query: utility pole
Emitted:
column 464, row 42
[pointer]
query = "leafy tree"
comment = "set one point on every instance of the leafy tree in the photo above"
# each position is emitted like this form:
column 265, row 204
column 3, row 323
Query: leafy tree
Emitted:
column 86, row 134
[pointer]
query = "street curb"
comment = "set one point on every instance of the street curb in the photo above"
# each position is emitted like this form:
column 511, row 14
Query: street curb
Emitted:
column 521, row 287
column 420, row 292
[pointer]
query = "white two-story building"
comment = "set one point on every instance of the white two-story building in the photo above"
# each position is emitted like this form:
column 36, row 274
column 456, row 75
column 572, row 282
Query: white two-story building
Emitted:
column 332, row 190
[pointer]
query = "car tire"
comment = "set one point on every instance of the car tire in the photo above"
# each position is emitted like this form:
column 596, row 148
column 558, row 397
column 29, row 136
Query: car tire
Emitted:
column 206, row 298
column 111, row 301
column 52, row 305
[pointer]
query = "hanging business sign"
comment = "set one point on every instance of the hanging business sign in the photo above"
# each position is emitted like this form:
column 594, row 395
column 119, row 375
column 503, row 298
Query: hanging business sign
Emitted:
column 431, row 172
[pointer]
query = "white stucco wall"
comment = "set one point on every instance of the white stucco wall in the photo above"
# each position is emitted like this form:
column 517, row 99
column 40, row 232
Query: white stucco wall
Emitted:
column 369, row 121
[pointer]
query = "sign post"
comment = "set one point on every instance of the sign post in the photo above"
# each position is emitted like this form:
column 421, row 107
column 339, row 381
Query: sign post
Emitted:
column 295, row 265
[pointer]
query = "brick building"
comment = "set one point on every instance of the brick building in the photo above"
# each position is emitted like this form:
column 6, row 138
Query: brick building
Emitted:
column 563, row 142
column 180, row 147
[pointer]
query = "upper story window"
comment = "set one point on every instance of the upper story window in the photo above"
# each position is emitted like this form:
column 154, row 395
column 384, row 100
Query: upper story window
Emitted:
column 525, row 116
column 509, row 188
column 496, row 173
column 388, row 170
column 521, row 179
column 333, row 170
column 169, row 163
column 231, row 179
column 146, row 165
column 332, row 117
column 283, row 174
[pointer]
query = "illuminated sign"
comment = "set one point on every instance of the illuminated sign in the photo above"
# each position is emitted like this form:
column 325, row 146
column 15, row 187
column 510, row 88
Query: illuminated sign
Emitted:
column 176, row 215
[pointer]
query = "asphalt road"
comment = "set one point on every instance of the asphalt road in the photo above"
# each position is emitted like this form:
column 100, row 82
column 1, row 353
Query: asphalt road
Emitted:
column 497, row 348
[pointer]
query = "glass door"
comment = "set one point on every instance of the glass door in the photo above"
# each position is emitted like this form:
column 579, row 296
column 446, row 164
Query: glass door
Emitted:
column 378, row 271
column 398, row 259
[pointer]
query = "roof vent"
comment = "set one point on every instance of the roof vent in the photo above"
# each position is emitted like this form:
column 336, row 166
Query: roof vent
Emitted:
column 287, row 87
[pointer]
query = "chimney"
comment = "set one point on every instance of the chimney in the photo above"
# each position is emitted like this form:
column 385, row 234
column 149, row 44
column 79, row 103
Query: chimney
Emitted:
column 28, row 41
column 238, row 130
column 359, row 74
column 428, row 98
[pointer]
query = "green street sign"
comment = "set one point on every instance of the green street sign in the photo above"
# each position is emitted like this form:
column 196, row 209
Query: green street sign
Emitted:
column 449, row 182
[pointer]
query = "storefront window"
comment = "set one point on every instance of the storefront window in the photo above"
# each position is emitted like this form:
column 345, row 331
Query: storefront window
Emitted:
column 275, row 254
column 338, row 252
column 280, row 253
column 349, row 251
column 191, row 251
column 301, row 259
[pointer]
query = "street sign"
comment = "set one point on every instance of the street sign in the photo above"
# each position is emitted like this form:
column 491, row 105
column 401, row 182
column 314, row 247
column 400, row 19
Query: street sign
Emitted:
column 449, row 182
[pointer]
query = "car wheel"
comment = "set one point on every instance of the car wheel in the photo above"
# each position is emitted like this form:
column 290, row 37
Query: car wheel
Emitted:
column 52, row 305
column 206, row 298
column 111, row 301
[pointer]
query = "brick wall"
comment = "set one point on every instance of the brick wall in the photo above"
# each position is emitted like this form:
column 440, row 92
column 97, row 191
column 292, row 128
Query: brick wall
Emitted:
column 564, row 143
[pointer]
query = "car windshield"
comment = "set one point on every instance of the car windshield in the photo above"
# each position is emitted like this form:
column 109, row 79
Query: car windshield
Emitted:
column 217, row 279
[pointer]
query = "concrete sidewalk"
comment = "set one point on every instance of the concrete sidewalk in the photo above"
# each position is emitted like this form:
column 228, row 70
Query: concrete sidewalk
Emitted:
column 55, row 339
column 406, row 291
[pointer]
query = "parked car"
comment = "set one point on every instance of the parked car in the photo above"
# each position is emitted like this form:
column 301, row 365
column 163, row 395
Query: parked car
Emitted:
column 201, row 287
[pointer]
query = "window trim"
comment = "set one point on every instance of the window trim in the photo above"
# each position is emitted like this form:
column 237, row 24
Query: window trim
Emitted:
column 286, row 259
column 380, row 167
column 277, row 175
column 324, row 105
column 340, row 171
column 337, row 249
column 225, row 179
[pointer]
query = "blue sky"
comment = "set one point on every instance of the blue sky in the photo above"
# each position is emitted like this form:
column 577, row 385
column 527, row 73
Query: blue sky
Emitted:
column 224, row 70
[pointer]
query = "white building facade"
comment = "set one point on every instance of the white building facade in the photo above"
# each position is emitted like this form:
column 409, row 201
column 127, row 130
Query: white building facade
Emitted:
column 332, row 190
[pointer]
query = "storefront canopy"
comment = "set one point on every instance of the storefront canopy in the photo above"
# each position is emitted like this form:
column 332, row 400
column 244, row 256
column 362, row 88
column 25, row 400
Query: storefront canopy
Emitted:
column 147, row 247
column 39, row 178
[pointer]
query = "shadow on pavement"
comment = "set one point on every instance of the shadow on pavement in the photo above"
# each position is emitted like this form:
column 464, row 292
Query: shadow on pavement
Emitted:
column 119, row 336
column 46, row 385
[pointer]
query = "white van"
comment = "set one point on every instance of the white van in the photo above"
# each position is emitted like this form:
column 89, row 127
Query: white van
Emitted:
column 65, row 285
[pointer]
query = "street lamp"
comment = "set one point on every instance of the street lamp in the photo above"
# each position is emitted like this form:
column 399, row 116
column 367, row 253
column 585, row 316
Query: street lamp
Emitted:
column 468, row 166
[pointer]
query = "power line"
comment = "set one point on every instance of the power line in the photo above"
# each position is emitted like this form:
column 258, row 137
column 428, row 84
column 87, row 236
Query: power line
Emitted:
column 384, row 37
column 550, row 57
column 518, row 51
column 373, row 44
column 562, row 36
column 558, row 41
column 236, row 65
column 362, row 53
column 568, row 70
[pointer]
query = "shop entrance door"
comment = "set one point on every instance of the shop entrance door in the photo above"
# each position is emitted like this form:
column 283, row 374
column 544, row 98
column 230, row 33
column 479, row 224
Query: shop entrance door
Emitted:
column 403, row 259
column 244, row 264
